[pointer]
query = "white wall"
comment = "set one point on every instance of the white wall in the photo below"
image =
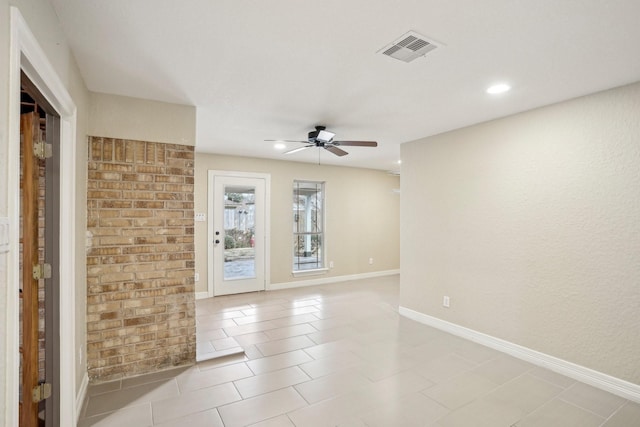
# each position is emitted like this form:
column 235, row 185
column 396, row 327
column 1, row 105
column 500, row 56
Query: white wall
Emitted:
column 362, row 215
column 42, row 22
column 531, row 224
column 4, row 144
column 4, row 121
column 114, row 116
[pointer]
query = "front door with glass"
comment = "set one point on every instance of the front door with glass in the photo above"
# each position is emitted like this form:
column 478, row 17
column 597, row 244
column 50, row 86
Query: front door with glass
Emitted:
column 238, row 234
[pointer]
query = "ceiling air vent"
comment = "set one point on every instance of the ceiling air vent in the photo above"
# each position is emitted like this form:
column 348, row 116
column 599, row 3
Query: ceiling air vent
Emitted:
column 409, row 47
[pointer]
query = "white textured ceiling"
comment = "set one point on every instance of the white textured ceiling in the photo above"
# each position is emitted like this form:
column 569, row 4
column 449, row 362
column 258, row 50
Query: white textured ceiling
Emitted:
column 272, row 69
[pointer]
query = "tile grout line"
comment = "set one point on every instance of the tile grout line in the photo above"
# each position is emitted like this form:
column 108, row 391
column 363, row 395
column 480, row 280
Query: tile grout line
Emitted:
column 585, row 409
column 614, row 413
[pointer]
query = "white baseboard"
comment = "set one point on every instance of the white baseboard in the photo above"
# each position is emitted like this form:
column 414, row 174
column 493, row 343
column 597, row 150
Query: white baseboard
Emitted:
column 332, row 279
column 202, row 295
column 82, row 394
column 580, row 373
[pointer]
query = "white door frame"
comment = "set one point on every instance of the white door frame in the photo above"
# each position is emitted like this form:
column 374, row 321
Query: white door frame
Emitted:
column 210, row 229
column 26, row 55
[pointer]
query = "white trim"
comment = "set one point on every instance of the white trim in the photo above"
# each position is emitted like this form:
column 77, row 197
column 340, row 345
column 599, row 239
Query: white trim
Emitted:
column 202, row 295
column 580, row 373
column 334, row 279
column 27, row 55
column 210, row 209
column 82, row 394
column 211, row 174
column 313, row 272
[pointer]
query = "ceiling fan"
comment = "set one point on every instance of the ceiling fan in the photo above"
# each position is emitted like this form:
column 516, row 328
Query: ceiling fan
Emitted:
column 322, row 138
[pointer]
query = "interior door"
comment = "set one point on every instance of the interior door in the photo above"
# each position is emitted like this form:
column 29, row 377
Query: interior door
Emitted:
column 238, row 234
column 29, row 407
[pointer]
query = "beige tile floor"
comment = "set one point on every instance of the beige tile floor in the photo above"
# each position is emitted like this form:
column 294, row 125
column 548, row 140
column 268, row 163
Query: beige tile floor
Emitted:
column 340, row 355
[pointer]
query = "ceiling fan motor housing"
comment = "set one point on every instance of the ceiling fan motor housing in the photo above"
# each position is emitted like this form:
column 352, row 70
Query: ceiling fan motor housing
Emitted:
column 314, row 133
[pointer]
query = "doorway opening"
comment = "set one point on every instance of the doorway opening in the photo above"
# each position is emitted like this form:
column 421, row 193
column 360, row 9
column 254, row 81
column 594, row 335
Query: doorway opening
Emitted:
column 27, row 57
column 39, row 320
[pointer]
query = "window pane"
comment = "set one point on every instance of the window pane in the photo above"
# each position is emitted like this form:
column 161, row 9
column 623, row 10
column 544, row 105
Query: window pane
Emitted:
column 307, row 252
column 307, row 207
column 239, row 232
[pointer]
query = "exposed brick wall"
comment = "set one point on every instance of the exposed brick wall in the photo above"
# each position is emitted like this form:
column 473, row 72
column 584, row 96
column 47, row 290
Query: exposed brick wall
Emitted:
column 140, row 259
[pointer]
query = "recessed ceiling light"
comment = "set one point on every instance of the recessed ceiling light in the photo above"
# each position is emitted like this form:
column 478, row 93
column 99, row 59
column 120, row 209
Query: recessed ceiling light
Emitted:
column 279, row 146
column 498, row 88
column 399, row 162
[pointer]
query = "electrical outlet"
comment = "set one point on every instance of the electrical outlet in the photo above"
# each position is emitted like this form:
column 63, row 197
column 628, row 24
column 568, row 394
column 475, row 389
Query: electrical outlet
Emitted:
column 330, row 264
column 446, row 301
column 370, row 261
column 196, row 277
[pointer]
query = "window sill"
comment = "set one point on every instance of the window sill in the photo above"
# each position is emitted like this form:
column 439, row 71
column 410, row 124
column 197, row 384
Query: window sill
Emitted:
column 314, row 272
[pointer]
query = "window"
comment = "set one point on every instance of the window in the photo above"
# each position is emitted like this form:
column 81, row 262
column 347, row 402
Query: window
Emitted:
column 308, row 225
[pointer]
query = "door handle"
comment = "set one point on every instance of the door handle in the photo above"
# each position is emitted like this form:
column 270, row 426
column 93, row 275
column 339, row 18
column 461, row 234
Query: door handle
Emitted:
column 217, row 241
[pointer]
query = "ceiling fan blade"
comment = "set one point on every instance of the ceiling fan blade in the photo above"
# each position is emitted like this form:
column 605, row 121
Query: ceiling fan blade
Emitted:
column 285, row 140
column 335, row 150
column 356, row 143
column 295, row 150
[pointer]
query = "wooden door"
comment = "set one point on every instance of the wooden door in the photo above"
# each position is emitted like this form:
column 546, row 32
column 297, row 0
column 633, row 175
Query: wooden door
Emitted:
column 30, row 132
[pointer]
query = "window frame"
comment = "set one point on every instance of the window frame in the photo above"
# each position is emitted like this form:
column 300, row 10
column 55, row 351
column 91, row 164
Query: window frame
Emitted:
column 321, row 232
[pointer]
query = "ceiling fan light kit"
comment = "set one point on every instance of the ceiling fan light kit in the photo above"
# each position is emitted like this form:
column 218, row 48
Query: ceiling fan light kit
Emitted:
column 325, row 136
column 322, row 138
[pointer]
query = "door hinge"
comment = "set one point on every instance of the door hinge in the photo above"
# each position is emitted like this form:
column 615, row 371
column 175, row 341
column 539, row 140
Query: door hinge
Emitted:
column 42, row 271
column 41, row 392
column 42, row 150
